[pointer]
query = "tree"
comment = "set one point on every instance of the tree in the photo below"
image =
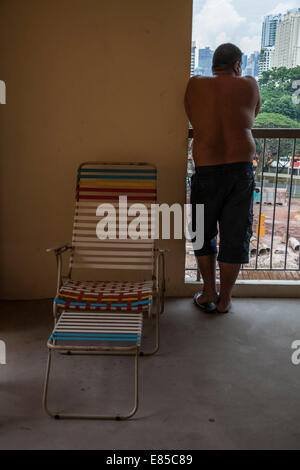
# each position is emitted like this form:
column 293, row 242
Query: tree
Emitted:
column 277, row 90
column 272, row 120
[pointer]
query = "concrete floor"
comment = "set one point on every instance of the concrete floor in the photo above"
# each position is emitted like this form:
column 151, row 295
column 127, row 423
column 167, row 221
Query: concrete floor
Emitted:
column 219, row 382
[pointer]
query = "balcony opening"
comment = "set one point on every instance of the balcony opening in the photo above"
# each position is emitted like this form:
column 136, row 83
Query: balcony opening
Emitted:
column 275, row 244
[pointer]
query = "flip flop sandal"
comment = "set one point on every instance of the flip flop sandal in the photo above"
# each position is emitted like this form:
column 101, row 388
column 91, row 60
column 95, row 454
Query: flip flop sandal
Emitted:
column 207, row 307
column 226, row 311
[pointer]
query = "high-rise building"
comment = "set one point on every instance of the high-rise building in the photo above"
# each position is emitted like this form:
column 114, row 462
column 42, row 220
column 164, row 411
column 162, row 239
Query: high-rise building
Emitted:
column 268, row 40
column 287, row 45
column 269, row 29
column 205, row 57
column 252, row 67
column 244, row 61
column 265, row 60
column 199, row 71
column 193, row 58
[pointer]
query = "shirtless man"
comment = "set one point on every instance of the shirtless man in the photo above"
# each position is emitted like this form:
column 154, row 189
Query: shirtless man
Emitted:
column 221, row 110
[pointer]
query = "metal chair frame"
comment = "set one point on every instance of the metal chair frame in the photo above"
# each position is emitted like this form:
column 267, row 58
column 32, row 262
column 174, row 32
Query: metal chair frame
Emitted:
column 158, row 293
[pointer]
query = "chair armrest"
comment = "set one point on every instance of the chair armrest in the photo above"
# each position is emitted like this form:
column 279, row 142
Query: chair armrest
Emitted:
column 59, row 249
column 162, row 250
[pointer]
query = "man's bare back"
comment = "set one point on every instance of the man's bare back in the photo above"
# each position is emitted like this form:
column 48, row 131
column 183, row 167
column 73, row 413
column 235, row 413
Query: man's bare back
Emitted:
column 222, row 110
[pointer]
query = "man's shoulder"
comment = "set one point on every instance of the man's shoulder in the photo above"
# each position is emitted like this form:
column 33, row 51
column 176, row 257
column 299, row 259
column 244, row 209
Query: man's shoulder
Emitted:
column 250, row 77
column 250, row 80
column 197, row 79
column 253, row 85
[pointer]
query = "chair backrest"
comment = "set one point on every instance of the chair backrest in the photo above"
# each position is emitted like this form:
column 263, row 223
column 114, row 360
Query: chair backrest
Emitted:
column 102, row 183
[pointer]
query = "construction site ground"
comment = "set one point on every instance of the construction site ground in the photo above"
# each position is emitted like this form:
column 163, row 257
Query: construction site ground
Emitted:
column 270, row 263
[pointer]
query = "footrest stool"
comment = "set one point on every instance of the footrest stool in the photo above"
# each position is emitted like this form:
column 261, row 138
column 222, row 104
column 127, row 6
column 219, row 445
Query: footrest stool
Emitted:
column 92, row 331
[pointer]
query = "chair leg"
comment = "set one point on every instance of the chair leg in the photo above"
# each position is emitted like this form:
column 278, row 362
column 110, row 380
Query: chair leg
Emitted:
column 159, row 312
column 45, row 394
column 82, row 416
column 157, row 334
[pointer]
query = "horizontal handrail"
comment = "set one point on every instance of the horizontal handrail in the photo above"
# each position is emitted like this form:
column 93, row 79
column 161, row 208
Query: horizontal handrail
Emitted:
column 261, row 133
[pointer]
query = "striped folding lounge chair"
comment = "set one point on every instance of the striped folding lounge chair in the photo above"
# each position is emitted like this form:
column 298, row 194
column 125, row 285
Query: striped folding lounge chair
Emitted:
column 106, row 317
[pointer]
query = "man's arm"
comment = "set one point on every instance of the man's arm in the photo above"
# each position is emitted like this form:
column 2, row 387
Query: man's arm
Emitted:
column 186, row 105
column 255, row 86
column 186, row 97
column 258, row 106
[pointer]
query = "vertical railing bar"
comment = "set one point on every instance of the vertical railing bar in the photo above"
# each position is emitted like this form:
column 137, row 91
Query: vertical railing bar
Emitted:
column 198, row 279
column 275, row 199
column 289, row 208
column 260, row 205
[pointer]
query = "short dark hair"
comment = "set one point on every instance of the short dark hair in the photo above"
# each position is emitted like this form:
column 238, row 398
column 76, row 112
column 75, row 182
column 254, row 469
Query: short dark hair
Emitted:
column 226, row 55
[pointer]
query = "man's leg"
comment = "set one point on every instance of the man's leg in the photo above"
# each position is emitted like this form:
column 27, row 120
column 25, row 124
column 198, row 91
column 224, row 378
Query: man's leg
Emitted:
column 228, row 276
column 205, row 191
column 207, row 268
column 235, row 225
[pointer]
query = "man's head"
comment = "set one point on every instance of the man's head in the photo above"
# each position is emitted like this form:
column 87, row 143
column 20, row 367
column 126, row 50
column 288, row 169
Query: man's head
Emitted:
column 227, row 58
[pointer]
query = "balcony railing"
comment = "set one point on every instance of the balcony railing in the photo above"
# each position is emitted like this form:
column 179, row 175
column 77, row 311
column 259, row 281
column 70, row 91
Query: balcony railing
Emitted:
column 275, row 245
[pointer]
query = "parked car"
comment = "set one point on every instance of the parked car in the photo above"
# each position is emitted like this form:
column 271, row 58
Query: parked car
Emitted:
column 283, row 162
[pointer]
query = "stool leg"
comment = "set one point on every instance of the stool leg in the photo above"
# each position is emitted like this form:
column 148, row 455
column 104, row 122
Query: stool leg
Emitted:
column 45, row 394
column 136, row 388
column 100, row 417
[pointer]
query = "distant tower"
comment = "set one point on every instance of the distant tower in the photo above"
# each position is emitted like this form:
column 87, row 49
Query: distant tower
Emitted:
column 193, row 58
column 205, row 57
column 252, row 67
column 268, row 40
column 244, row 61
column 287, row 45
column 269, row 29
column 265, row 60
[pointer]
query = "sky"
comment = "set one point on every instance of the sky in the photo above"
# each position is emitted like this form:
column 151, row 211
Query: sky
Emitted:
column 237, row 21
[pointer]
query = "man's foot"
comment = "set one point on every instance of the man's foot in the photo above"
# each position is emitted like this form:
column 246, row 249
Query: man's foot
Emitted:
column 206, row 302
column 223, row 306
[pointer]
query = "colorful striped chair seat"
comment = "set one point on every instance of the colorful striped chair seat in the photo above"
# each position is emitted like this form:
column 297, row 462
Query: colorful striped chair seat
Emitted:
column 105, row 295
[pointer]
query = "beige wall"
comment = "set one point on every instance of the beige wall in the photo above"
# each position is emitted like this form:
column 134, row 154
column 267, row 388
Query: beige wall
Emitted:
column 86, row 80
